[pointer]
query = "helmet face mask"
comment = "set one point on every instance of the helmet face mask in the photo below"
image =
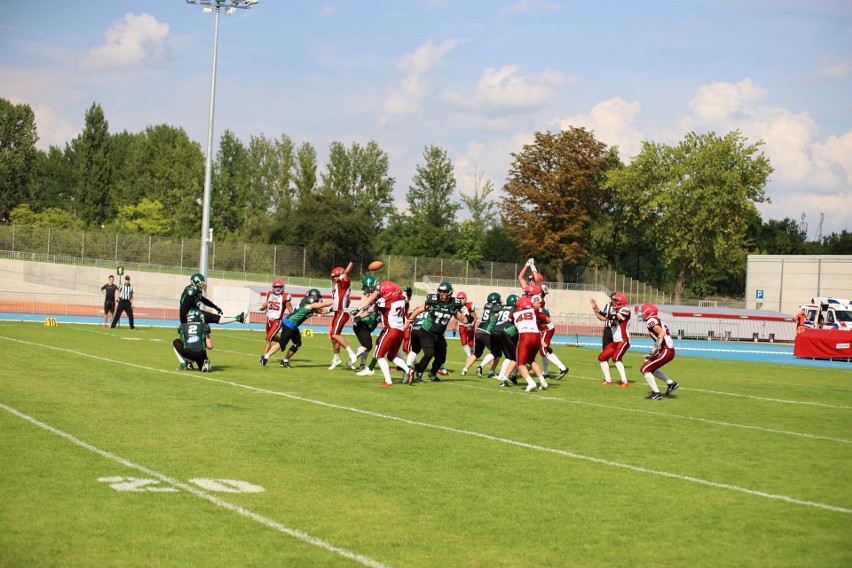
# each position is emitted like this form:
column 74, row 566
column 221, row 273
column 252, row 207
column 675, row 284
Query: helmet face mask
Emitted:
column 198, row 281
column 313, row 295
column 532, row 290
column 278, row 286
column 337, row 272
column 619, row 300
column 194, row 315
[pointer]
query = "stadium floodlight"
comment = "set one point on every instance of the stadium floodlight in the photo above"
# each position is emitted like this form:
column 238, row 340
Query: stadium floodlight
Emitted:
column 212, row 6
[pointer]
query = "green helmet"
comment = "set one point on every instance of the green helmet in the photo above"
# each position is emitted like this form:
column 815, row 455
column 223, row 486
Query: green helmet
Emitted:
column 512, row 300
column 368, row 284
column 314, row 294
column 494, row 298
column 445, row 288
column 198, row 281
column 194, row 315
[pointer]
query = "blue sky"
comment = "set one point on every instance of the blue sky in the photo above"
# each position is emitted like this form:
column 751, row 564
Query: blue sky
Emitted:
column 476, row 77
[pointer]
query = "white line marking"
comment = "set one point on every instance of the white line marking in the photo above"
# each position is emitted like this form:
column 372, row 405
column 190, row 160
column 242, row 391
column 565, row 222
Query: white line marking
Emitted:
column 267, row 522
column 753, row 397
column 661, row 414
column 565, row 453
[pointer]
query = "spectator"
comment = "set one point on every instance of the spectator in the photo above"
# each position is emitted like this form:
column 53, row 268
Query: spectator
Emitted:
column 109, row 289
column 125, row 303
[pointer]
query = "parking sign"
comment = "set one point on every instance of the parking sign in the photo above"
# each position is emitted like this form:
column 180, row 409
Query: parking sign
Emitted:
column 758, row 294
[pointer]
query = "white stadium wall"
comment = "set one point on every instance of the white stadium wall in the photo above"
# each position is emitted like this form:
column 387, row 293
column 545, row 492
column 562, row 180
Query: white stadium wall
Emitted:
column 784, row 282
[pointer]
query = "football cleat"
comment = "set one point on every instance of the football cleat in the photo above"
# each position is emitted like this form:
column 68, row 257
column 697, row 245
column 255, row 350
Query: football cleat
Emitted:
column 492, row 375
column 655, row 396
column 443, row 372
column 366, row 372
column 384, row 384
column 334, row 363
column 671, row 387
column 434, row 378
column 607, row 383
column 505, row 383
column 479, row 371
column 206, row 367
column 531, row 388
column 263, row 361
column 562, row 373
column 351, row 363
column 418, row 378
column 543, row 386
column 241, row 318
column 183, row 368
column 285, row 364
column 409, row 375
column 623, row 384
column 463, row 372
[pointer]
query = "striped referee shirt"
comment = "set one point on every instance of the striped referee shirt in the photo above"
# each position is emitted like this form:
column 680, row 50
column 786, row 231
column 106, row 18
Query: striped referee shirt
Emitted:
column 125, row 291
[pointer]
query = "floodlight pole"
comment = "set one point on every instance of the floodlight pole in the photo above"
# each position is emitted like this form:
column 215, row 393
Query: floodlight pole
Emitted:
column 206, row 233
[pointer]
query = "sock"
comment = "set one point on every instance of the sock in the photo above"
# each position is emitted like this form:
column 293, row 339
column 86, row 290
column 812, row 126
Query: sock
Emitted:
column 466, row 349
column 651, row 382
column 661, row 375
column 605, row 369
column 351, row 353
column 409, row 359
column 486, row 360
column 556, row 361
column 398, row 361
column 504, row 369
column 620, row 366
column 372, row 365
column 383, row 365
column 545, row 366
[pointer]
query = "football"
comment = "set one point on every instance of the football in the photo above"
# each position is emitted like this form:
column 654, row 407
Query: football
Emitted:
column 376, row 265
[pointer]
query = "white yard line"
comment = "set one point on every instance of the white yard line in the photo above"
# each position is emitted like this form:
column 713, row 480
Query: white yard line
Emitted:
column 564, row 453
column 265, row 521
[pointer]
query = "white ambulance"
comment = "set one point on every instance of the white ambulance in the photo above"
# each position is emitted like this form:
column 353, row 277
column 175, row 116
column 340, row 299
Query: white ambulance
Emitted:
column 834, row 312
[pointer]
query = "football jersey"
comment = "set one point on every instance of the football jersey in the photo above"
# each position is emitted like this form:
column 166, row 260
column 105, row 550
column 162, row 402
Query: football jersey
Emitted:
column 194, row 335
column 439, row 314
column 489, row 316
column 655, row 321
column 276, row 304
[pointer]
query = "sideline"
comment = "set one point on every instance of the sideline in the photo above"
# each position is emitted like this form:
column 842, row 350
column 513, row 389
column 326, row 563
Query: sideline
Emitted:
column 480, row 435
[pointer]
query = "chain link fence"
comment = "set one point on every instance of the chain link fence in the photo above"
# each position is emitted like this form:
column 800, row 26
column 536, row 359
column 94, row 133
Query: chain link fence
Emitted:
column 261, row 262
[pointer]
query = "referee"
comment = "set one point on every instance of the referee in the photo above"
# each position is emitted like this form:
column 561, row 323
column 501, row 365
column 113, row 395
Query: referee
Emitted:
column 125, row 303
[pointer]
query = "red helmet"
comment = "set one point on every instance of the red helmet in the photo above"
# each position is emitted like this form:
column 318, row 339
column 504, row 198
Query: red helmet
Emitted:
column 278, row 284
column 337, row 272
column 619, row 300
column 523, row 303
column 648, row 311
column 536, row 278
column 532, row 290
column 388, row 288
column 462, row 296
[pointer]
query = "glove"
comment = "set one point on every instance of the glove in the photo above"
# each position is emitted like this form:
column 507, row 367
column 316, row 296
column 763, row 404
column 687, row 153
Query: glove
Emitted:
column 408, row 291
column 219, row 311
column 530, row 262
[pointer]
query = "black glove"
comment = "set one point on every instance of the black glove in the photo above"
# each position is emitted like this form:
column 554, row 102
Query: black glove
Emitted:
column 219, row 311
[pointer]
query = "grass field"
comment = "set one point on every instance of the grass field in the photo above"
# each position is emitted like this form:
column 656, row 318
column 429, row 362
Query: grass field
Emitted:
column 110, row 457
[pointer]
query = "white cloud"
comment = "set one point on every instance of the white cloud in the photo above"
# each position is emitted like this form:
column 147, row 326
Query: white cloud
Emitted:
column 329, row 11
column 406, row 97
column 612, row 122
column 129, row 43
column 811, row 176
column 504, row 90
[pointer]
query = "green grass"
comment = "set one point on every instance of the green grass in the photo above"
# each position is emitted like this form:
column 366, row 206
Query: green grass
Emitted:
column 745, row 466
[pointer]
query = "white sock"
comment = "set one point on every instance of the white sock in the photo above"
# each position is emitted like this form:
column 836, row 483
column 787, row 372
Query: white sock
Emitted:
column 651, row 382
column 486, row 360
column 383, row 365
column 399, row 362
column 351, row 353
column 620, row 366
column 409, row 359
column 556, row 361
column 605, row 369
column 466, row 349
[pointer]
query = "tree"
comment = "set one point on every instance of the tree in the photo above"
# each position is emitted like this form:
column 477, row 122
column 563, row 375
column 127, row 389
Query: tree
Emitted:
column 698, row 197
column 53, row 180
column 48, row 217
column 430, row 194
column 551, row 185
column 229, row 198
column 305, row 170
column 147, row 217
column 94, row 197
column 483, row 216
column 360, row 175
column 17, row 155
column 777, row 237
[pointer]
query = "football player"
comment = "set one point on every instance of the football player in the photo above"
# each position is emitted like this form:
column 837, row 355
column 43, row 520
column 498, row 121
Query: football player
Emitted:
column 620, row 343
column 440, row 308
column 193, row 297
column 661, row 353
column 310, row 305
column 193, row 343
column 276, row 305
column 341, row 286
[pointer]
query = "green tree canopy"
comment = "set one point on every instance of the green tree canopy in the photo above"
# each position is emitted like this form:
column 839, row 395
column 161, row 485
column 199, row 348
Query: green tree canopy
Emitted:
column 94, row 195
column 17, row 155
column 430, row 195
column 698, row 197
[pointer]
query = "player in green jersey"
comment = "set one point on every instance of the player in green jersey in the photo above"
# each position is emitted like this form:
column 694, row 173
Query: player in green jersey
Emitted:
column 440, row 308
